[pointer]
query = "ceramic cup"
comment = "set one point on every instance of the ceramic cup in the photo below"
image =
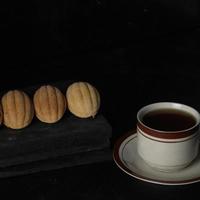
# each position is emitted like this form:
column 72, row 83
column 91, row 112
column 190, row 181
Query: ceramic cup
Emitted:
column 165, row 141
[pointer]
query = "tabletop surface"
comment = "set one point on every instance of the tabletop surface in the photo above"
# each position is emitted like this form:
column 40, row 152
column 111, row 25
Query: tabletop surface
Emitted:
column 93, row 181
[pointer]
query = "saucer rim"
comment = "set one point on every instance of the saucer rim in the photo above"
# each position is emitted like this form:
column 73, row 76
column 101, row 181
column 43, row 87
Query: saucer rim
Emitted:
column 116, row 156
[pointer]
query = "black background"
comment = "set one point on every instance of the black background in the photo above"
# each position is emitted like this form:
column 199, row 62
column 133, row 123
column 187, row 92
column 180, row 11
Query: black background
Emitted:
column 134, row 52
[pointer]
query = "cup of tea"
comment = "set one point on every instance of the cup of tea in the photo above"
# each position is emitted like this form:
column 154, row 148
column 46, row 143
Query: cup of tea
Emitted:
column 168, row 135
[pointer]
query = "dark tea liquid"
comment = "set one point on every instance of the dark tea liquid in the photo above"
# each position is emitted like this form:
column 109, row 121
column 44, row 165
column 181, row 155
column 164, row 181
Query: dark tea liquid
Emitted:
column 169, row 120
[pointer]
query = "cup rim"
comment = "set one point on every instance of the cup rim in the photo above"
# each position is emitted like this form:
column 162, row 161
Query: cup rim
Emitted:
column 168, row 134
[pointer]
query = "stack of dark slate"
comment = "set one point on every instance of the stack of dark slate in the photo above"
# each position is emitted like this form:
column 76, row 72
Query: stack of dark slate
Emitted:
column 41, row 147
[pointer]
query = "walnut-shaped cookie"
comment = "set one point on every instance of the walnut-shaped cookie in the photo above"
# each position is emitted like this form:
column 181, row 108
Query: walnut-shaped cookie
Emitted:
column 83, row 99
column 49, row 103
column 17, row 108
column 1, row 115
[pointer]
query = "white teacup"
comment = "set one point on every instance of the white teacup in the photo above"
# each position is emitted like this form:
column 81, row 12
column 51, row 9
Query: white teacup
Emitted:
column 168, row 135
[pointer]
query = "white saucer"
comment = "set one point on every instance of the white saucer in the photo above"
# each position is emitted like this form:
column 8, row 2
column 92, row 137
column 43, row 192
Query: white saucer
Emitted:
column 127, row 159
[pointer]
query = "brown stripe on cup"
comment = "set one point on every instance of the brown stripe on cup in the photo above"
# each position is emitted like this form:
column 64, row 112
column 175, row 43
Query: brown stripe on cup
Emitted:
column 169, row 134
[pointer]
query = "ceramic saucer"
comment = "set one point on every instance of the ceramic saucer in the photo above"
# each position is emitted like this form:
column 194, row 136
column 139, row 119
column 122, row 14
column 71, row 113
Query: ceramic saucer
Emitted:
column 127, row 159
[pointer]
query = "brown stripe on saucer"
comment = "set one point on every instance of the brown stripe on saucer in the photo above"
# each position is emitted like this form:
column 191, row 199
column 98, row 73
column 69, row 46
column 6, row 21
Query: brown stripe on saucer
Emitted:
column 128, row 171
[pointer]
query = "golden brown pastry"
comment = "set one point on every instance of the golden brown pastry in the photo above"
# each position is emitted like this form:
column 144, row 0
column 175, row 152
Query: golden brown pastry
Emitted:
column 1, row 115
column 83, row 99
column 18, row 109
column 50, row 104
